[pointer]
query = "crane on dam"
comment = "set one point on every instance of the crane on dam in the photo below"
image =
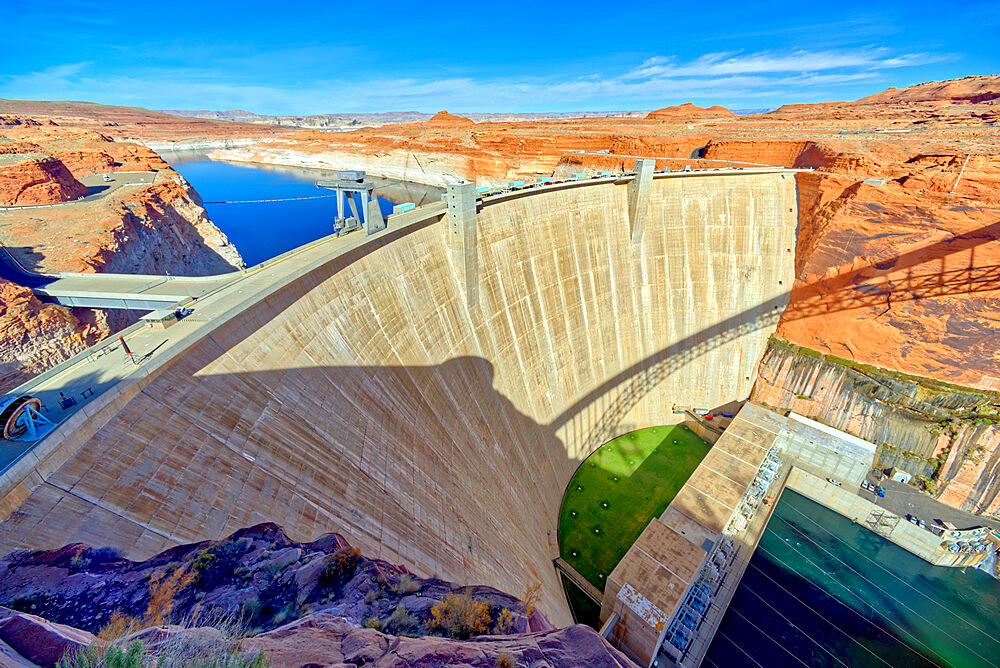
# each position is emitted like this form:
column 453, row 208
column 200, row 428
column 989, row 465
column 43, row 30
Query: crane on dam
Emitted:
column 346, row 186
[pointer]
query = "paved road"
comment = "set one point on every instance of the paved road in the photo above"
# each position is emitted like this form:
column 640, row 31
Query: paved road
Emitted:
column 99, row 188
column 903, row 500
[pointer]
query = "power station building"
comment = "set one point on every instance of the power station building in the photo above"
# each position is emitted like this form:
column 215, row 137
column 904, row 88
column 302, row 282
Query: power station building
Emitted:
column 666, row 597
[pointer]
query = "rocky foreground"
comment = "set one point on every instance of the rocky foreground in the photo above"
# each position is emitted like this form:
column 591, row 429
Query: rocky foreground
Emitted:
column 319, row 603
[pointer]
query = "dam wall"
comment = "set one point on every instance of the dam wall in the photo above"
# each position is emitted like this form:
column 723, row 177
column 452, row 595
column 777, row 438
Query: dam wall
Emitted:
column 363, row 394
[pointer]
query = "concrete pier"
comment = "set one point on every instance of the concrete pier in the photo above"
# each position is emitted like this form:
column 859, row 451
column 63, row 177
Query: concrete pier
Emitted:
column 461, row 199
column 638, row 197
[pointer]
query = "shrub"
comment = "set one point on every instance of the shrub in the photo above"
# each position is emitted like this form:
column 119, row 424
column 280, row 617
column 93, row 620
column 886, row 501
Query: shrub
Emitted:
column 179, row 651
column 373, row 595
column 106, row 553
column 505, row 622
column 401, row 621
column 251, row 608
column 203, row 560
column 283, row 614
column 506, row 660
column 374, row 623
column 215, row 564
column 405, row 585
column 531, row 597
column 340, row 568
column 460, row 616
column 120, row 625
column 115, row 657
column 163, row 589
column 183, row 651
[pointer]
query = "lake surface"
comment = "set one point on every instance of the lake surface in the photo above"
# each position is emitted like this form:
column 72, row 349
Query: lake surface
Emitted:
column 261, row 230
column 824, row 591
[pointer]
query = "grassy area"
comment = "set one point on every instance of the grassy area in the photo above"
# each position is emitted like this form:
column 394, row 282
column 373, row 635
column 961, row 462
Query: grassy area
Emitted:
column 617, row 490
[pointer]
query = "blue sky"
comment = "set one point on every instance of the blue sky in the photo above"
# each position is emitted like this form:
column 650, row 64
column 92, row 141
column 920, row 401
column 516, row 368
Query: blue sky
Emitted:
column 305, row 58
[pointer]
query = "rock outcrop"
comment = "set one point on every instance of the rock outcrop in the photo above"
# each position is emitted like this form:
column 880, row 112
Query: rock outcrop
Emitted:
column 319, row 603
column 688, row 110
column 325, row 639
column 444, row 118
column 257, row 573
column 36, row 178
column 29, row 640
column 964, row 90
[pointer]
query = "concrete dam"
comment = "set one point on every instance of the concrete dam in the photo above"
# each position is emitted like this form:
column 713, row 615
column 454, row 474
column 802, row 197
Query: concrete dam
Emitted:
column 430, row 404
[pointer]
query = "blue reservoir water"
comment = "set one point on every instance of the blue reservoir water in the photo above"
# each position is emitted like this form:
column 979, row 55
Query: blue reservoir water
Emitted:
column 823, row 591
column 262, row 230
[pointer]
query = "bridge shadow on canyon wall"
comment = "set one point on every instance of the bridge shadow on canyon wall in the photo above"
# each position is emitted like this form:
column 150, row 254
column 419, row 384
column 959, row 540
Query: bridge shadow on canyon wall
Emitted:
column 910, row 276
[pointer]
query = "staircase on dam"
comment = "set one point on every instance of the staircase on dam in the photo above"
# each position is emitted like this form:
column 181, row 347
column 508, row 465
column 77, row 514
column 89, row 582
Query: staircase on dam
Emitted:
column 455, row 368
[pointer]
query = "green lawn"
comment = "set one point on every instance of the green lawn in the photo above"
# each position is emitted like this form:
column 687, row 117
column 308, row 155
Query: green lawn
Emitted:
column 618, row 489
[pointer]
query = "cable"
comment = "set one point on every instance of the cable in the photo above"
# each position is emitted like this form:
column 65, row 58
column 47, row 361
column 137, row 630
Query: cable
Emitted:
column 792, row 624
column 894, row 575
column 257, row 201
column 858, row 596
column 943, row 632
column 880, row 590
column 710, row 661
column 768, row 636
column 731, row 642
column 820, row 615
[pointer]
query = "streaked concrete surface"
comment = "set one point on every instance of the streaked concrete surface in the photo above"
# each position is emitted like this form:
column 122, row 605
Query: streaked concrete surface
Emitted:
column 350, row 387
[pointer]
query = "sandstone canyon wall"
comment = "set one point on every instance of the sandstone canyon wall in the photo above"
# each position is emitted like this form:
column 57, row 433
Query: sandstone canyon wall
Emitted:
column 946, row 436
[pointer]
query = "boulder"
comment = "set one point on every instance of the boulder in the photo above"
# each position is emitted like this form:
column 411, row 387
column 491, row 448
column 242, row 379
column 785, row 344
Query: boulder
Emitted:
column 38, row 640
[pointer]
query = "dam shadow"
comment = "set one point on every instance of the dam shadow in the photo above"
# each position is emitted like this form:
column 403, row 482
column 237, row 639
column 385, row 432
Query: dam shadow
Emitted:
column 428, row 466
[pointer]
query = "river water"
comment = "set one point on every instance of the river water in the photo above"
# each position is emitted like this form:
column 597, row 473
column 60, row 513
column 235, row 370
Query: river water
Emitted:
column 262, row 230
column 824, row 591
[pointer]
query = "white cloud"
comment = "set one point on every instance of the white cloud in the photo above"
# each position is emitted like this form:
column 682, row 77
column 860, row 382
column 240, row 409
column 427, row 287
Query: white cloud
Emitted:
column 723, row 63
column 754, row 79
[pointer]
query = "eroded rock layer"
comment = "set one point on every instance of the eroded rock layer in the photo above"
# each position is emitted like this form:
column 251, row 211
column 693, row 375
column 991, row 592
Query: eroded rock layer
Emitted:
column 946, row 436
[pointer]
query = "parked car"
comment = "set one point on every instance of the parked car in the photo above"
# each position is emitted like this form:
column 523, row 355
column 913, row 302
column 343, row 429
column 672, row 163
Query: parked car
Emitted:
column 833, row 482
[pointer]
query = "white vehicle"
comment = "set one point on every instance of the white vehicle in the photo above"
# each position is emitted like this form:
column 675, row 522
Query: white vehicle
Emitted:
column 833, row 482
column 107, row 177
